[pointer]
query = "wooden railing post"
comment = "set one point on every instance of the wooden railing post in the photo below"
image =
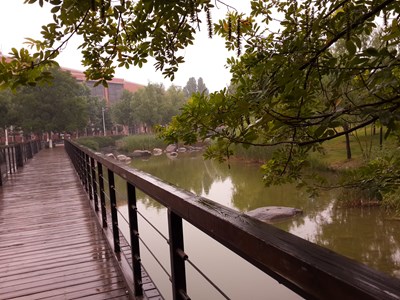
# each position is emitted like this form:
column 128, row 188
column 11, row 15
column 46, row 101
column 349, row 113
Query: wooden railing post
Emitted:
column 24, row 151
column 134, row 235
column 34, row 147
column 114, row 213
column 82, row 167
column 14, row 159
column 178, row 272
column 94, row 185
column 102, row 194
column 86, row 171
column 2, row 161
column 29, row 151
column 89, row 176
column 18, row 156
column 77, row 158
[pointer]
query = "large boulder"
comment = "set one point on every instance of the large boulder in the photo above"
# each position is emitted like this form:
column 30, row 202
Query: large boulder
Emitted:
column 124, row 158
column 140, row 153
column 271, row 214
column 171, row 148
column 157, row 151
column 111, row 155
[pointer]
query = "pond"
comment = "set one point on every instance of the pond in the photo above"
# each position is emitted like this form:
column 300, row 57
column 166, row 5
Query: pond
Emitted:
column 369, row 235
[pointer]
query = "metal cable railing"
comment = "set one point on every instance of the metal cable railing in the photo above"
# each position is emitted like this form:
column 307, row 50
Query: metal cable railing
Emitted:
column 155, row 228
column 155, row 258
column 206, row 277
column 91, row 182
column 262, row 245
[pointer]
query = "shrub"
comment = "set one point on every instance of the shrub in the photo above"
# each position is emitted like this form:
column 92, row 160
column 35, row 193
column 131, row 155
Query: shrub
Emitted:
column 98, row 142
column 140, row 142
column 89, row 143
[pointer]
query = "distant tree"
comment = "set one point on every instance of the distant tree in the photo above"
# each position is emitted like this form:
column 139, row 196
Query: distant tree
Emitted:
column 122, row 111
column 190, row 87
column 58, row 106
column 201, row 87
column 174, row 100
column 8, row 114
column 95, row 120
column 148, row 104
column 193, row 86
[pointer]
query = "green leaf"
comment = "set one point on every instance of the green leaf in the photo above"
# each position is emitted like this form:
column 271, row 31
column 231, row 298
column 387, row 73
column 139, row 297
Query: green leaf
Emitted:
column 55, row 9
column 351, row 47
column 371, row 51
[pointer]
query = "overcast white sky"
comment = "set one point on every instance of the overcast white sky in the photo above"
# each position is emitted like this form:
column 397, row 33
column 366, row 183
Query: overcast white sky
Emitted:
column 206, row 58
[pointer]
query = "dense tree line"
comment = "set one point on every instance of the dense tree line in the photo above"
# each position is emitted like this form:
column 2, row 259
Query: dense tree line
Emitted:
column 150, row 106
column 62, row 105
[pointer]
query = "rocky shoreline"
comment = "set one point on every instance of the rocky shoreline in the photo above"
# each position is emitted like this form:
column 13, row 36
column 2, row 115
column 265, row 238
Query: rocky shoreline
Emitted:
column 171, row 150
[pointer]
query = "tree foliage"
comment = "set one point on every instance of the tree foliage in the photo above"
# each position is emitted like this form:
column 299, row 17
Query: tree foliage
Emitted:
column 59, row 106
column 115, row 33
column 121, row 112
column 291, row 89
column 193, row 86
column 8, row 112
column 149, row 106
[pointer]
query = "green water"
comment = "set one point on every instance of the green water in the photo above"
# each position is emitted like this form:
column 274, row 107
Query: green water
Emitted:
column 368, row 235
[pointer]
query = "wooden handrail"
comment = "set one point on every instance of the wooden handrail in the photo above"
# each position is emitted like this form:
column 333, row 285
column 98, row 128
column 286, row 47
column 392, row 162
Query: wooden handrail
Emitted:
column 311, row 271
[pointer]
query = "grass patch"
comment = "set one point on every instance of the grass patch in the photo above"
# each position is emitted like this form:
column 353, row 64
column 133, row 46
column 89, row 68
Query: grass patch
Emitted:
column 98, row 142
column 140, row 142
column 363, row 143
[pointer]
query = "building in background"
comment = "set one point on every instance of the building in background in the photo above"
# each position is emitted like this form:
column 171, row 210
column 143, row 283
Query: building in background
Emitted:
column 111, row 94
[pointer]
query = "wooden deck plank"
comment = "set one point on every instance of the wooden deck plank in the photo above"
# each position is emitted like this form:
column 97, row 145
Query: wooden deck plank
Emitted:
column 50, row 244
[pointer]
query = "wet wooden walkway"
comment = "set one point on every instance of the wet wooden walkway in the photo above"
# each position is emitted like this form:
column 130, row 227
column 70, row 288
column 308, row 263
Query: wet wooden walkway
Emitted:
column 50, row 244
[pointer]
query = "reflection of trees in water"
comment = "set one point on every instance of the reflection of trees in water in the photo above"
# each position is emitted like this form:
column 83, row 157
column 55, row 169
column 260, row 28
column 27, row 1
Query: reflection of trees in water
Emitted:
column 250, row 192
column 364, row 234
column 148, row 201
column 121, row 195
column 192, row 173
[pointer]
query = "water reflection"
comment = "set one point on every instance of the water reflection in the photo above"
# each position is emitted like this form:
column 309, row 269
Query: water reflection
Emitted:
column 366, row 235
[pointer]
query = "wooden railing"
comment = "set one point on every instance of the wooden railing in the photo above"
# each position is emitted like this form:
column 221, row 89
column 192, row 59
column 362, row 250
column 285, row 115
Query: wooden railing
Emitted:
column 307, row 269
column 13, row 157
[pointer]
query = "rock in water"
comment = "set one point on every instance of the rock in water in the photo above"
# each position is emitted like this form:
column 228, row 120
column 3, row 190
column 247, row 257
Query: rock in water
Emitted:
column 272, row 214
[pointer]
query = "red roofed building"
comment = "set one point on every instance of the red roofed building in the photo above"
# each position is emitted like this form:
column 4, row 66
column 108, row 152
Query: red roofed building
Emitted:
column 111, row 94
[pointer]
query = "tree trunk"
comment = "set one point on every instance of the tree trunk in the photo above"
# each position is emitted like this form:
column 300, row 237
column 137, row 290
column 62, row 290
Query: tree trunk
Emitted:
column 348, row 148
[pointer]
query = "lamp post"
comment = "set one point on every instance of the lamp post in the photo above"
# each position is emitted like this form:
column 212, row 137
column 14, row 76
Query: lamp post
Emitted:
column 104, row 122
column 6, row 135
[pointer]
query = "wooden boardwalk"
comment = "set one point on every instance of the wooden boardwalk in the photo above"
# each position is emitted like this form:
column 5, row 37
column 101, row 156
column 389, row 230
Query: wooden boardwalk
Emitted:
column 50, row 244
